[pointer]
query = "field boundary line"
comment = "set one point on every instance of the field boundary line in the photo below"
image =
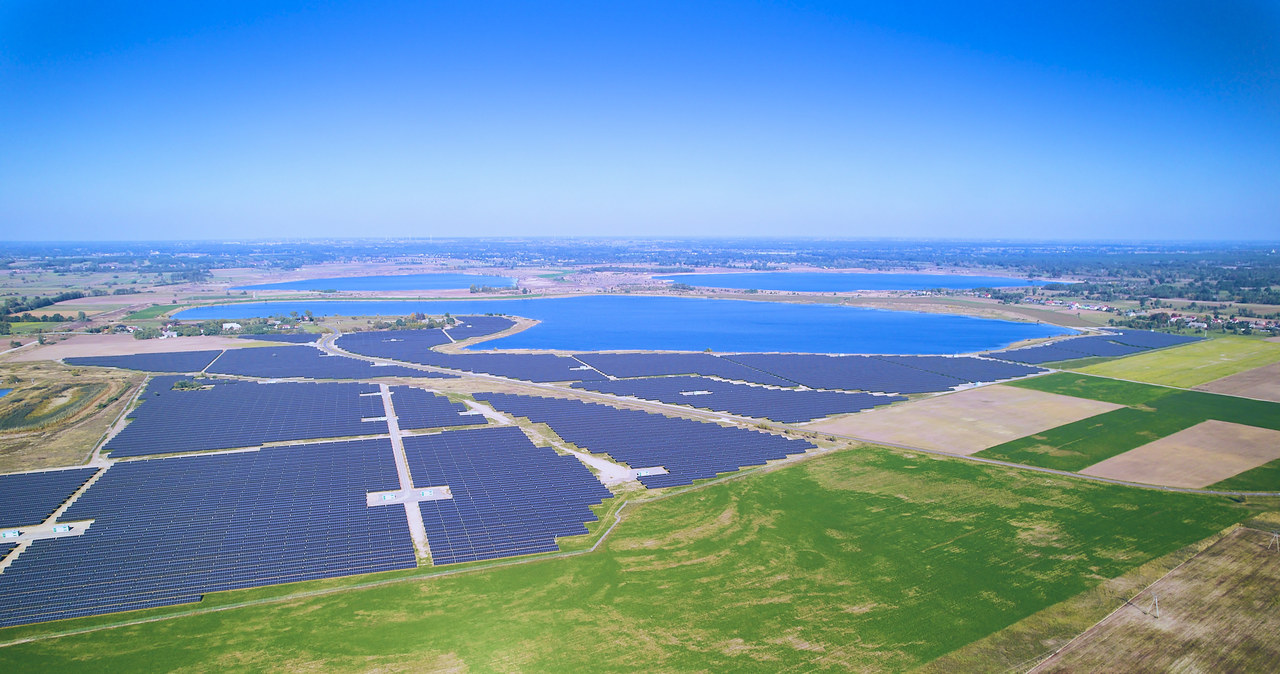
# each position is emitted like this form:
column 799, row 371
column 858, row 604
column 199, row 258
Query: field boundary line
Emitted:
column 1217, row 539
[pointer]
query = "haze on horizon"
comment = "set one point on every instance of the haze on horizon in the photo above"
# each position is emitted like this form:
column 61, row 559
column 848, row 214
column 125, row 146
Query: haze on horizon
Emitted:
column 1097, row 120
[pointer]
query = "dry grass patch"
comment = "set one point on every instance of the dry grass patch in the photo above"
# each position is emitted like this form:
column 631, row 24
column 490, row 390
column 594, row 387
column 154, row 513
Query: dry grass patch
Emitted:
column 1218, row 613
column 1209, row 452
column 1262, row 383
column 966, row 422
column 124, row 345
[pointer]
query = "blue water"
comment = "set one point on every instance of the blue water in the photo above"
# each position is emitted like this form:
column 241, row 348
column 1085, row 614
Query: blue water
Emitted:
column 5, row 391
column 402, row 282
column 844, row 282
column 619, row 322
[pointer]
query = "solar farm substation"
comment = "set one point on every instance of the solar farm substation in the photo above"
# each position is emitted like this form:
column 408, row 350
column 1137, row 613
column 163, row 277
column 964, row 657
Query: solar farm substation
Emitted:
column 236, row 479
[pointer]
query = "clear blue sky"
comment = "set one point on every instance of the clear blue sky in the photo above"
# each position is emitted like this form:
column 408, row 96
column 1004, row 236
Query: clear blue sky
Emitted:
column 1144, row 119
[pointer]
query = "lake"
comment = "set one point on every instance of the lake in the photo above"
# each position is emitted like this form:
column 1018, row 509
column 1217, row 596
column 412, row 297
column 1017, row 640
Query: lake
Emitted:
column 5, row 391
column 619, row 323
column 816, row 282
column 400, row 282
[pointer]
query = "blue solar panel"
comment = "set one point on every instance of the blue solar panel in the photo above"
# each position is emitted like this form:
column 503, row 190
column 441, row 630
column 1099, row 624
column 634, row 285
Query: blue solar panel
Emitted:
column 509, row 497
column 244, row 414
column 305, row 361
column 659, row 364
column 1068, row 349
column 170, row 530
column 689, row 450
column 468, row 327
column 30, row 498
column 1151, row 340
column 783, row 405
column 418, row 409
column 177, row 361
column 965, row 368
column 403, row 345
column 287, row 337
column 852, row 373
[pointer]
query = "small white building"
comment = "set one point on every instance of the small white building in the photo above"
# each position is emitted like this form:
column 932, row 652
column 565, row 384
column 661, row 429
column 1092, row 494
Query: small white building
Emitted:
column 231, row 327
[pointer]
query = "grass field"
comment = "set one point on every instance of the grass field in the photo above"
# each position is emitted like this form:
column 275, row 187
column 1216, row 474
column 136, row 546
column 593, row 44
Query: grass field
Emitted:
column 152, row 312
column 56, row 414
column 1153, row 413
column 1192, row 364
column 866, row 559
column 1218, row 613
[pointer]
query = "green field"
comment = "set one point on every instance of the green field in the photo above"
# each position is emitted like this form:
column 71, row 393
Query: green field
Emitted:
column 866, row 559
column 151, row 312
column 1153, row 413
column 1192, row 364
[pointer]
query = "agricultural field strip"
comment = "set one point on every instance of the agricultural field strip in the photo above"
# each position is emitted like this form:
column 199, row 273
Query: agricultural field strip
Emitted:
column 1045, row 660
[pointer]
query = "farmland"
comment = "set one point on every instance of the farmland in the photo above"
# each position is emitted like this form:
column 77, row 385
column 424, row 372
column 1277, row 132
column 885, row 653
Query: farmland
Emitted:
column 839, row 562
column 1192, row 364
column 1152, row 413
column 1217, row 613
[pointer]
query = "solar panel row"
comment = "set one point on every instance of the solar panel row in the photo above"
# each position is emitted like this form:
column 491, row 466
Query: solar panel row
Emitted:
column 509, row 497
column 689, row 450
column 30, row 498
column 783, row 405
column 967, row 369
column 287, row 337
column 244, row 414
column 659, row 364
column 414, row 346
column 179, row 361
column 468, row 327
column 1151, row 340
column 1069, row 349
column 858, row 373
column 305, row 361
column 417, row 409
column 170, row 530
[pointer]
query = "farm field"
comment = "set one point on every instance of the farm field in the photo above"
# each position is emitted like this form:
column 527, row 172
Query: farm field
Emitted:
column 967, row 421
column 1217, row 613
column 1262, row 382
column 1152, row 413
column 1191, row 364
column 1207, row 453
column 840, row 562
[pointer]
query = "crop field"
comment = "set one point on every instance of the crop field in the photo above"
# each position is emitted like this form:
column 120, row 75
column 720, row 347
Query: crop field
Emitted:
column 152, row 312
column 1262, row 382
column 1152, row 413
column 861, row 559
column 967, row 421
column 1192, row 364
column 1218, row 613
column 1207, row 453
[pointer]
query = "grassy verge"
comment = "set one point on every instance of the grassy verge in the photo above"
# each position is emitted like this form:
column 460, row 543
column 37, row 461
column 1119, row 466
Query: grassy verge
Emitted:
column 862, row 559
column 1153, row 412
column 1192, row 364
column 153, row 312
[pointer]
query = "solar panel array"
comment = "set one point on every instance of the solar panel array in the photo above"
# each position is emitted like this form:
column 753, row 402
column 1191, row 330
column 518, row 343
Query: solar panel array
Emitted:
column 478, row 326
column 537, row 367
column 244, row 414
column 417, row 409
column 1068, row 349
column 857, row 373
column 1151, row 340
column 784, row 405
column 509, row 497
column 689, row 450
column 30, row 498
column 305, row 361
column 177, row 361
column 404, row 345
column 168, row 531
column 659, row 364
column 288, row 337
column 965, row 368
